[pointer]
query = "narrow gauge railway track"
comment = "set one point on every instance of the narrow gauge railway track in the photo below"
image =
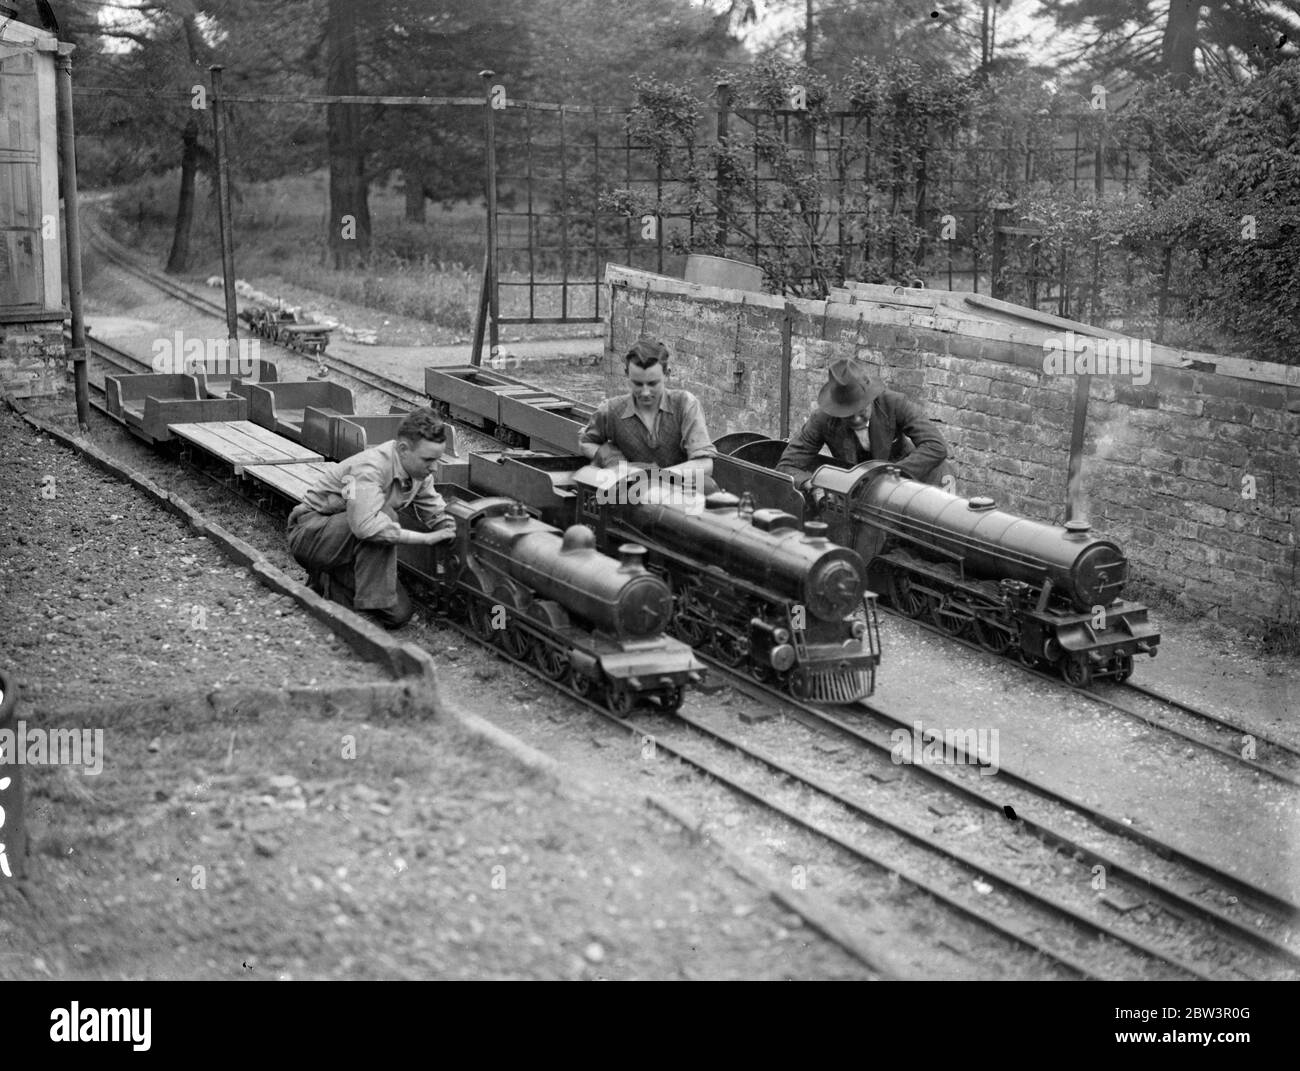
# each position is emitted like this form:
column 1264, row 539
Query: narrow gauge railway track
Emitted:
column 1282, row 755
column 1011, row 926
column 396, row 391
column 1178, row 902
column 1273, row 758
column 1014, row 929
column 1018, row 930
column 121, row 361
column 518, row 654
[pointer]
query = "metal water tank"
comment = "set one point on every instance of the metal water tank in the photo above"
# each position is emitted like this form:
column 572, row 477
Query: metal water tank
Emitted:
column 723, row 272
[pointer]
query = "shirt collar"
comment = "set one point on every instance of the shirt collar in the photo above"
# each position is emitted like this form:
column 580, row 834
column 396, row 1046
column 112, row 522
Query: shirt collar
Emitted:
column 629, row 405
column 399, row 474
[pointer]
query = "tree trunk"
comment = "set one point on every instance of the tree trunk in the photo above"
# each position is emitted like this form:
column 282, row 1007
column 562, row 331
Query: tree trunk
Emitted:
column 414, row 180
column 1178, row 51
column 349, row 217
column 179, row 258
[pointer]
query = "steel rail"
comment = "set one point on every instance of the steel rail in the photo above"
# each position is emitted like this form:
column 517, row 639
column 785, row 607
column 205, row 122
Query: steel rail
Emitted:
column 1179, row 901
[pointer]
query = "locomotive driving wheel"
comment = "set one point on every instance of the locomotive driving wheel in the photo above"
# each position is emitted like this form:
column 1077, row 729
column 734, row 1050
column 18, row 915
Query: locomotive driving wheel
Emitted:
column 690, row 630
column 732, row 650
column 552, row 662
column 909, row 601
column 994, row 636
column 480, row 620
column 515, row 640
column 944, row 616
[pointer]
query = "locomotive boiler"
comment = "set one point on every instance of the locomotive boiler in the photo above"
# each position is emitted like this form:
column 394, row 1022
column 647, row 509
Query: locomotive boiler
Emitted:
column 1085, row 571
column 619, row 597
column 552, row 597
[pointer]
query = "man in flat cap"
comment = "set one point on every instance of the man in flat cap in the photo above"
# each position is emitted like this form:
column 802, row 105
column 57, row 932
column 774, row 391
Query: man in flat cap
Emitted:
column 858, row 420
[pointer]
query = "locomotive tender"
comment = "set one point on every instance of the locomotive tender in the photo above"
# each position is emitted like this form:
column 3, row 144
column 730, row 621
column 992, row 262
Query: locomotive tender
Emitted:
column 1049, row 593
column 754, row 588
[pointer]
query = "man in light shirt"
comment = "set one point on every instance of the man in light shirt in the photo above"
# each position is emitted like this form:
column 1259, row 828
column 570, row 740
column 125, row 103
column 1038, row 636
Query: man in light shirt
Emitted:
column 650, row 425
column 858, row 420
column 346, row 531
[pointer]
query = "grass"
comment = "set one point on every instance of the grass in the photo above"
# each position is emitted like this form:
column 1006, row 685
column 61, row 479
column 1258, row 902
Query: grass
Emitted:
column 428, row 271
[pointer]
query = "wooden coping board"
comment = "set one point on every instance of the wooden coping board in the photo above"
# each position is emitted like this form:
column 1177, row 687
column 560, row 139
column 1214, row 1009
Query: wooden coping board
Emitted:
column 291, row 480
column 243, row 443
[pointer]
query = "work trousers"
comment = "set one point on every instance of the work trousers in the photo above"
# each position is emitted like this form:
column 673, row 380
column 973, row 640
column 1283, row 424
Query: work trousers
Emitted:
column 365, row 569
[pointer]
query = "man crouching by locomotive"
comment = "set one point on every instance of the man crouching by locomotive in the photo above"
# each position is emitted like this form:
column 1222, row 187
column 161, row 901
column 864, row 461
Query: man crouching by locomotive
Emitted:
column 858, row 420
column 345, row 532
column 651, row 425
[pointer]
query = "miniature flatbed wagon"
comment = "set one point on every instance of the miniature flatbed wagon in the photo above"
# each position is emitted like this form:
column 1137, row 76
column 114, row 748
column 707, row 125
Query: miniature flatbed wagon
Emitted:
column 285, row 327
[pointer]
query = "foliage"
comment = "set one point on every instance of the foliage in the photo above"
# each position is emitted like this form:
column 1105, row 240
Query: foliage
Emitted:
column 817, row 195
column 944, row 35
column 778, row 185
column 1131, row 39
column 1241, row 210
column 1221, row 192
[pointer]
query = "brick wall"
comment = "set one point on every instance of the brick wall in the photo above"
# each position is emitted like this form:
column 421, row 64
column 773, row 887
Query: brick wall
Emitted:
column 31, row 359
column 1166, row 461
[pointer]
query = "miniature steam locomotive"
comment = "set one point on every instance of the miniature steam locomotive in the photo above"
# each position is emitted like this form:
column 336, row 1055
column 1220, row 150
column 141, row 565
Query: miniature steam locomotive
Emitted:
column 1050, row 594
column 754, row 588
column 592, row 621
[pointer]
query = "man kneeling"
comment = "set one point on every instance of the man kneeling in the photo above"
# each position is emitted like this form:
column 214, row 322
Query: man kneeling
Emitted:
column 345, row 532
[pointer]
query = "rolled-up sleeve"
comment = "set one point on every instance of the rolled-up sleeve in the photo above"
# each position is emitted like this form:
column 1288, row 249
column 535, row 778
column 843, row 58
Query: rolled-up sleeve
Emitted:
column 597, row 432
column 695, row 433
column 430, row 508
column 799, row 458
